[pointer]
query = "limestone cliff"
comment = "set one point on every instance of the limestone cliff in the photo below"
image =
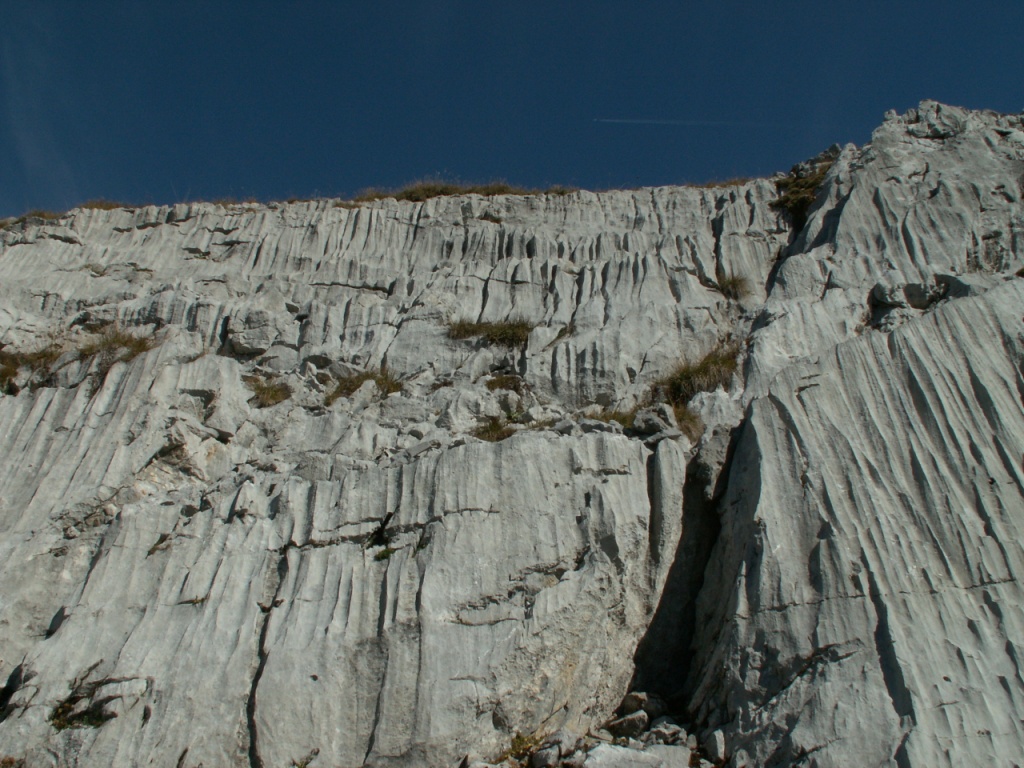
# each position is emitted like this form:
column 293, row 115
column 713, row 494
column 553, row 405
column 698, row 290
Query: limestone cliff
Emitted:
column 331, row 484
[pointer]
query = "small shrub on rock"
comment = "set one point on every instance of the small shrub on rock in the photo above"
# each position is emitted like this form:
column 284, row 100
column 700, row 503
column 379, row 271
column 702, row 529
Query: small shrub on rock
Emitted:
column 798, row 190
column 521, row 747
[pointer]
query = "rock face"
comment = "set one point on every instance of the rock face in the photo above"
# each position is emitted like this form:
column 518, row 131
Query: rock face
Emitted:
column 262, row 505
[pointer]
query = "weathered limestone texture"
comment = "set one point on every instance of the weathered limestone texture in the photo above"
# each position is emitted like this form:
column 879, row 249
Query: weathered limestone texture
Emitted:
column 259, row 508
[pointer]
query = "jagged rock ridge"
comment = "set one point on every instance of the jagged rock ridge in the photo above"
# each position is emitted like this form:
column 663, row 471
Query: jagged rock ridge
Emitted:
column 195, row 574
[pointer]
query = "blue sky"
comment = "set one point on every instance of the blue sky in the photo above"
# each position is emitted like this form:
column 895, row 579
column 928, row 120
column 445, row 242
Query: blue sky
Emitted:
column 160, row 102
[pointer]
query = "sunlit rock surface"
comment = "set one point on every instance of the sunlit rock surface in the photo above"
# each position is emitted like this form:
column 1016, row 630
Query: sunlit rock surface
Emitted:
column 195, row 571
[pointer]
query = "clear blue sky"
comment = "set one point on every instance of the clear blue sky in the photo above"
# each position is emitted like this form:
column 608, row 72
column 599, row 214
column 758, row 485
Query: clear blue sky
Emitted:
column 165, row 101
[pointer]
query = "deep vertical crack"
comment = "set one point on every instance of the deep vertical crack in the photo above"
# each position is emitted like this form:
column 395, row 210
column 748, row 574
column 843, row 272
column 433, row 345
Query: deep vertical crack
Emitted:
column 278, row 574
column 892, row 671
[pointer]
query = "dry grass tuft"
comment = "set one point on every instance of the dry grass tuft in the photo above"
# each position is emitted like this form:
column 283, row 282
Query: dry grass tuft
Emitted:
column 625, row 418
column 36, row 214
column 494, row 430
column 690, row 423
column 734, row 287
column 37, row 362
column 508, row 333
column 267, row 391
column 116, row 345
column 104, row 205
column 510, row 382
column 346, row 386
column 714, row 370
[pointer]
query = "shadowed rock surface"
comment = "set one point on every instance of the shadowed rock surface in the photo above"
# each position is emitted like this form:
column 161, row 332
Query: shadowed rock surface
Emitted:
column 281, row 529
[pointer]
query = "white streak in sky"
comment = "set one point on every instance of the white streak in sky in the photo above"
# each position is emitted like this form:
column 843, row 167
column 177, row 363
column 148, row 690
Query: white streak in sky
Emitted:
column 690, row 123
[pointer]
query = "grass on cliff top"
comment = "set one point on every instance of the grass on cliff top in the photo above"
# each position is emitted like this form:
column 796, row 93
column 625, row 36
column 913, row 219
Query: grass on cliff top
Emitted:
column 738, row 181
column 426, row 189
column 506, row 333
column 101, row 204
column 36, row 214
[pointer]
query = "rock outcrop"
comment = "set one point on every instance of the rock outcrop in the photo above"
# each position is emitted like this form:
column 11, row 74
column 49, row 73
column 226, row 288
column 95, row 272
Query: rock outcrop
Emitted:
column 335, row 484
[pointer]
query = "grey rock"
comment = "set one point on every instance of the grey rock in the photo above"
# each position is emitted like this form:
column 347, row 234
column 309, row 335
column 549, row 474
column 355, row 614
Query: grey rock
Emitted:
column 674, row 756
column 657, row 418
column 651, row 704
column 545, row 758
column 669, row 434
column 666, row 733
column 609, row 756
column 565, row 740
column 594, row 425
column 631, row 725
column 714, row 746
column 566, row 427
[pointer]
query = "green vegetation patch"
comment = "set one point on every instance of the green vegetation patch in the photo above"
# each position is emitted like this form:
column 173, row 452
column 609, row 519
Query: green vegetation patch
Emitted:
column 508, row 333
column 798, row 191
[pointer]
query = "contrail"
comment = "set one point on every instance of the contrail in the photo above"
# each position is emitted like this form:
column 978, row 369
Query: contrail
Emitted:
column 692, row 123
